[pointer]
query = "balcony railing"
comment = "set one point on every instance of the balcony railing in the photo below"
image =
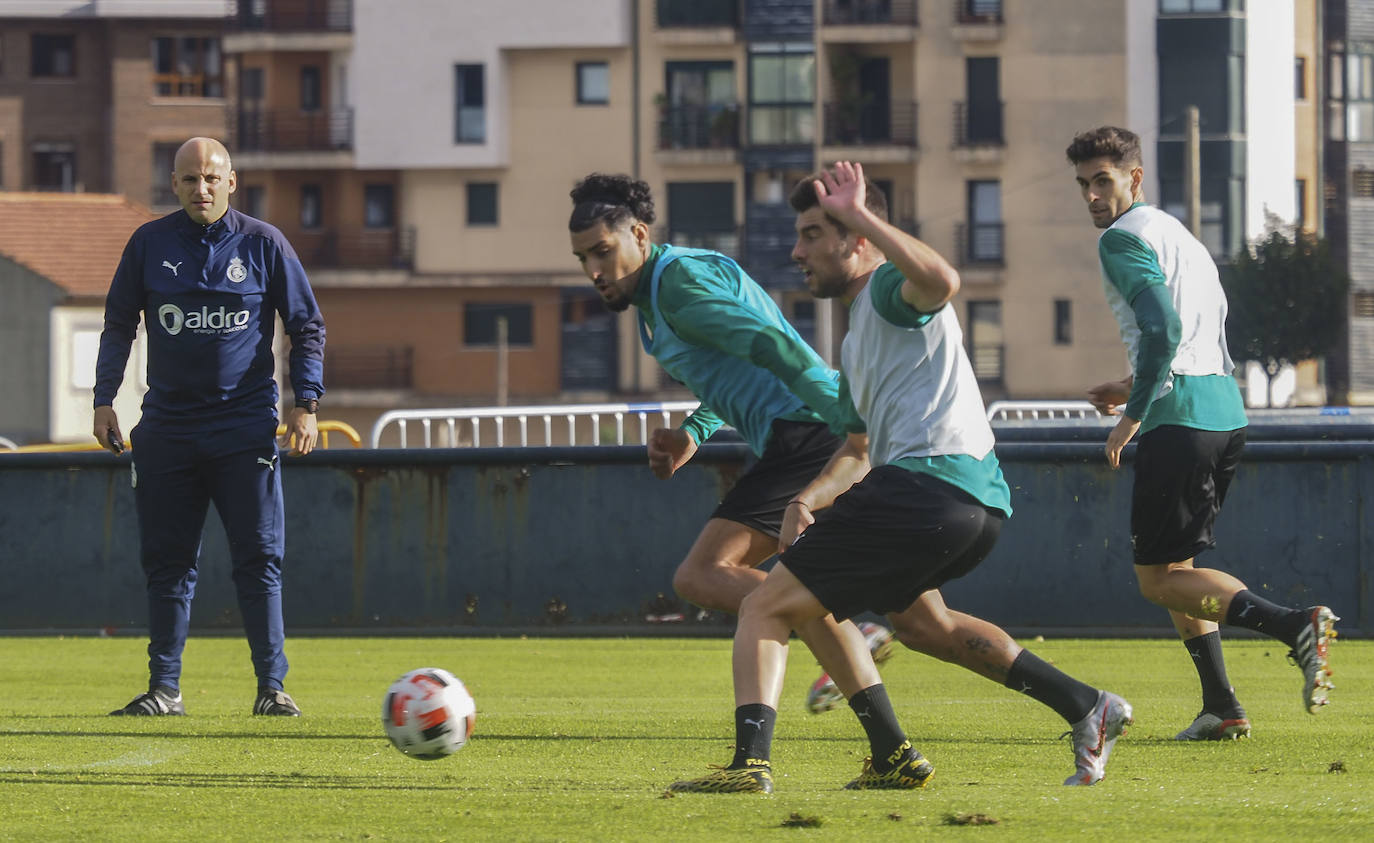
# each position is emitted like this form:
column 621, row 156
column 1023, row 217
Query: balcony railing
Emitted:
column 290, row 130
column 356, row 248
column 385, row 367
column 699, row 126
column 870, row 124
column 980, row 243
column 979, row 124
column 295, row 15
column 978, row 11
column 674, row 13
column 862, row 12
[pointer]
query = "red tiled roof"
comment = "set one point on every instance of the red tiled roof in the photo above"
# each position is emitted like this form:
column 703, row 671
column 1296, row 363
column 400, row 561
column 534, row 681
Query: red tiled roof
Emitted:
column 72, row 239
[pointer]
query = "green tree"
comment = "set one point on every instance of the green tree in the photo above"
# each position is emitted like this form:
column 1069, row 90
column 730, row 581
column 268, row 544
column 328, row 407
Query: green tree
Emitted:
column 1287, row 299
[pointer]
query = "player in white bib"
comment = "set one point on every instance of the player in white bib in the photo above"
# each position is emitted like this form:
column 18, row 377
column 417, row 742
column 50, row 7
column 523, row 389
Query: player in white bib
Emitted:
column 1186, row 409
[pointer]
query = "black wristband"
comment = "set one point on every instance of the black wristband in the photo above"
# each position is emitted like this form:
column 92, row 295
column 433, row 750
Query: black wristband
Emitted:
column 310, row 405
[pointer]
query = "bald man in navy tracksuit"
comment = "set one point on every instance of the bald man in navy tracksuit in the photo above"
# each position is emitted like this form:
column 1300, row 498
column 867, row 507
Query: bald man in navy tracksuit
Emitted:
column 210, row 282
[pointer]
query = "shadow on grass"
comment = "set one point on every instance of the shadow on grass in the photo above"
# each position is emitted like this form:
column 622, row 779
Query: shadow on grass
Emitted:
column 281, row 781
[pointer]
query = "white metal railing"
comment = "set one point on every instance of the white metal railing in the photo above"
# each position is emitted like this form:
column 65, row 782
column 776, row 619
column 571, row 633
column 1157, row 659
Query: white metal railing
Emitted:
column 462, row 427
column 1041, row 410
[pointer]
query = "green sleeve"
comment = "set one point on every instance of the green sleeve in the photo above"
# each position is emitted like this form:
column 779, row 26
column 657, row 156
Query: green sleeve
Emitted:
column 1160, row 332
column 850, row 414
column 701, row 424
column 1129, row 264
column 885, row 290
column 699, row 301
column 1132, row 267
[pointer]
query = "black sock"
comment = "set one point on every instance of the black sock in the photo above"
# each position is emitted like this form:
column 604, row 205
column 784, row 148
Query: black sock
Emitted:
column 1218, row 697
column 875, row 714
column 1047, row 684
column 753, row 734
column 1251, row 611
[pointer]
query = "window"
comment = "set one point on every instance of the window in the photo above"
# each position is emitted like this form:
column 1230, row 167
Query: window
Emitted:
column 164, row 155
column 312, row 202
column 984, row 222
column 52, row 55
column 379, row 205
column 1300, row 202
column 251, row 200
column 980, row 11
column 482, row 200
column 982, row 121
column 1362, row 305
column 1362, row 184
column 187, row 67
column 481, row 322
column 54, row 167
column 1063, row 322
column 701, row 108
column 310, row 88
column 1184, row 7
column 1300, row 78
column 593, row 83
column 1350, row 86
column 782, row 93
column 985, row 343
column 470, row 115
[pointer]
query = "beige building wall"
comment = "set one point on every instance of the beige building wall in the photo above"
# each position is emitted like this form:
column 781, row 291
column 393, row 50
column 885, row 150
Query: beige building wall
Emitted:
column 1055, row 80
column 554, row 141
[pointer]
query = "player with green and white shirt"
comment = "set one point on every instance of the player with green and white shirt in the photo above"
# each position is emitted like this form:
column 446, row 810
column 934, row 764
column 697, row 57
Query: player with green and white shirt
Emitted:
column 1182, row 402
column 928, row 511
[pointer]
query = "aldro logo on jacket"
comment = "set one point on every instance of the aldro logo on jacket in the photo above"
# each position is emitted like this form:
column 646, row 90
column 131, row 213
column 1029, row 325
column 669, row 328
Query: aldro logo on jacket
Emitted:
column 204, row 321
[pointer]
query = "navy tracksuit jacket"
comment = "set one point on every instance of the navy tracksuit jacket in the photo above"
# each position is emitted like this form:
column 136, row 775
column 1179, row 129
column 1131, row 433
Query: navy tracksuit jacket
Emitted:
column 210, row 296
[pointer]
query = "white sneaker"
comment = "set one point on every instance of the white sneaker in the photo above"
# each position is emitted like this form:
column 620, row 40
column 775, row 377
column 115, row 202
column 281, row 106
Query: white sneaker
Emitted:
column 1094, row 735
column 879, row 640
column 1310, row 655
column 824, row 695
column 1210, row 727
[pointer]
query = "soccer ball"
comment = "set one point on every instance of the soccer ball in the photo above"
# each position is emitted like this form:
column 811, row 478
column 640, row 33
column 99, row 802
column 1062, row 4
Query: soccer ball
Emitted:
column 428, row 714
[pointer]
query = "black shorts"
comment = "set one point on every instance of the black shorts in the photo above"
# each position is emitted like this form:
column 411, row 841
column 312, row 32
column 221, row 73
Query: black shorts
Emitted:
column 1181, row 478
column 795, row 454
column 892, row 536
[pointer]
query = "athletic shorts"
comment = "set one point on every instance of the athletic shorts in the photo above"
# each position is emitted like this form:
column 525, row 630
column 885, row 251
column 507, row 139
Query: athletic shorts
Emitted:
column 1181, row 478
column 795, row 454
column 891, row 537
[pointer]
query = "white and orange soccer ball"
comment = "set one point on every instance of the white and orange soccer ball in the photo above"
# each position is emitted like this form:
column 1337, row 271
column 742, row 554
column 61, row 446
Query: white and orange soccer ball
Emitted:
column 428, row 714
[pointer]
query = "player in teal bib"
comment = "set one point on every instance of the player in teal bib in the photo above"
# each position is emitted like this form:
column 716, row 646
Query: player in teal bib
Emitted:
column 1180, row 399
column 715, row 330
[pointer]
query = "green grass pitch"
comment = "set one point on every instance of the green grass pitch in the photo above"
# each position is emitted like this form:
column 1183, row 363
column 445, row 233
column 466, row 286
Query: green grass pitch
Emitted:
column 577, row 738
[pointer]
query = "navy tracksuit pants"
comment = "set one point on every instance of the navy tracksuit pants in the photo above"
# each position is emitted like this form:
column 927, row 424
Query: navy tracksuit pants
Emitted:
column 176, row 476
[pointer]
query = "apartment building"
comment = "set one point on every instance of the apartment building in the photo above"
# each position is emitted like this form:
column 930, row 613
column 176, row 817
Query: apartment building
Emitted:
column 96, row 96
column 1347, row 29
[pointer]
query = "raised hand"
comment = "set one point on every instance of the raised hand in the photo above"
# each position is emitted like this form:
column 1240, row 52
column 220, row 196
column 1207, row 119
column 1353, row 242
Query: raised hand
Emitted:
column 840, row 191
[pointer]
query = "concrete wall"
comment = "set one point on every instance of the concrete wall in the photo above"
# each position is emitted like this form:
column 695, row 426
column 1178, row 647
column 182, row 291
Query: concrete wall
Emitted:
column 24, row 351
column 386, row 540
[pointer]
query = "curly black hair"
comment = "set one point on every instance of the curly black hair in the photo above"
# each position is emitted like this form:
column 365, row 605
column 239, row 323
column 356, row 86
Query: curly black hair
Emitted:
column 610, row 199
column 1122, row 146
